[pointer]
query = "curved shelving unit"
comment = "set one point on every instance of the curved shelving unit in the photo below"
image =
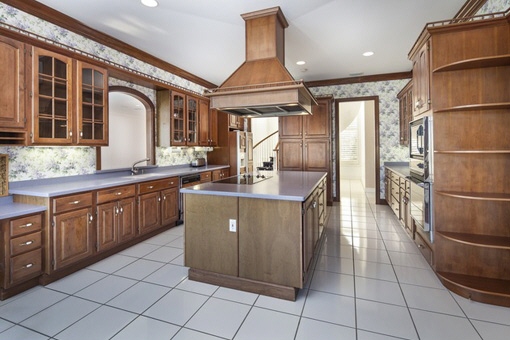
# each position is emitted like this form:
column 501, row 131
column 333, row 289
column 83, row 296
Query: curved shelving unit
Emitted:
column 483, row 62
column 475, row 107
column 485, row 196
column 498, row 242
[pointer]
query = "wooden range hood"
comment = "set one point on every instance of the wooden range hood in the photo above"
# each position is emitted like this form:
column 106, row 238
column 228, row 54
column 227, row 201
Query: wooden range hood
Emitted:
column 262, row 86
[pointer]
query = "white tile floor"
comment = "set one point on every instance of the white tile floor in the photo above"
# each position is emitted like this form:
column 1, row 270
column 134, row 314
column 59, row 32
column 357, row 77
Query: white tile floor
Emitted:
column 369, row 283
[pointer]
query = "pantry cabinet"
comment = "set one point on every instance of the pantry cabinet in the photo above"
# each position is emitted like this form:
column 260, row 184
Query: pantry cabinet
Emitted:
column 421, row 79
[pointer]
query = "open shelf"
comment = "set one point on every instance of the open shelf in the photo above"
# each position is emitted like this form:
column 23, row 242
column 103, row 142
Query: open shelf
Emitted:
column 12, row 138
column 485, row 196
column 495, row 291
column 475, row 107
column 471, row 151
column 493, row 61
column 499, row 242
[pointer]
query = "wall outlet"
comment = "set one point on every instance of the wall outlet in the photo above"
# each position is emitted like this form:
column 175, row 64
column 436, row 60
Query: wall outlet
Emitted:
column 232, row 225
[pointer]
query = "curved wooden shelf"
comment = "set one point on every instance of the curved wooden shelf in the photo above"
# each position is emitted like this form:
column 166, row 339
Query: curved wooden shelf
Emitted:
column 475, row 107
column 485, row 196
column 487, row 290
column 493, row 61
column 497, row 242
column 471, row 151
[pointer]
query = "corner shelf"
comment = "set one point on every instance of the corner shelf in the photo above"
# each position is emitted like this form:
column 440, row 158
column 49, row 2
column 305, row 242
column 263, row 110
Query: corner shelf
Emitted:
column 498, row 242
column 483, row 62
column 495, row 291
column 476, row 195
column 475, row 107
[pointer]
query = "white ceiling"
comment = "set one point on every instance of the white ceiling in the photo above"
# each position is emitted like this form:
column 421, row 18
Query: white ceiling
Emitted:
column 206, row 37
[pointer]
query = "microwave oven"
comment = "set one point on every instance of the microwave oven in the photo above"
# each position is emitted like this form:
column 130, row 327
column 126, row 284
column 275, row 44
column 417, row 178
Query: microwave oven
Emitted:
column 421, row 149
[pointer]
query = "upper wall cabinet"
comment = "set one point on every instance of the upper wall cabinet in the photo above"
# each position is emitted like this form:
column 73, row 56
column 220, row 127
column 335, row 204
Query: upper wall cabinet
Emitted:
column 12, row 83
column 178, row 118
column 208, row 124
column 405, row 100
column 52, row 98
column 421, row 79
column 92, row 108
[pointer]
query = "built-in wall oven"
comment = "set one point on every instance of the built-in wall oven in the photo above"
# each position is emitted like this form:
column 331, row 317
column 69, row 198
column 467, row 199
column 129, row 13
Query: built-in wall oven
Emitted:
column 422, row 174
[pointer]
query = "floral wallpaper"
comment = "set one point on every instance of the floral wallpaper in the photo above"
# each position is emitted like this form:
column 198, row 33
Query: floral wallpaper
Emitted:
column 494, row 6
column 46, row 162
column 389, row 133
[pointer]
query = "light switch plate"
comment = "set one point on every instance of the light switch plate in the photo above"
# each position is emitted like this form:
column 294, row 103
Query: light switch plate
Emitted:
column 232, row 225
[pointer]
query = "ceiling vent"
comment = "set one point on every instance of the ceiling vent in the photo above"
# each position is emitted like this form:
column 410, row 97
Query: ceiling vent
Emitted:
column 262, row 86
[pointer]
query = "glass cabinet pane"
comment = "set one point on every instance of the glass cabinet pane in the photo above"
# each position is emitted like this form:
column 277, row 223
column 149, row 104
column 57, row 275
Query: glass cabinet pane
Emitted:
column 86, row 75
column 60, row 69
column 46, row 65
column 60, row 89
column 45, row 128
column 86, row 112
column 45, row 87
column 60, row 129
column 98, row 79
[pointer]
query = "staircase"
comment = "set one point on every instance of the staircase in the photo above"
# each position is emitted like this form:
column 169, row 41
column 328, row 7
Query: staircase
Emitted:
column 265, row 152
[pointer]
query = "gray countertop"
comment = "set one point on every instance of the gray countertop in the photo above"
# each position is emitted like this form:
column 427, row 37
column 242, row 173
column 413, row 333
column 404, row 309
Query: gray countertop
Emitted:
column 401, row 168
column 52, row 187
column 282, row 185
column 8, row 209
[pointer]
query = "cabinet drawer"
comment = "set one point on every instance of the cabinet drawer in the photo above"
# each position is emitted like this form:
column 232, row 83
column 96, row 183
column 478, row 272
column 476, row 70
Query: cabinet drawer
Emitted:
column 402, row 182
column 395, row 191
column 424, row 248
column 158, row 185
column 395, row 178
column 25, row 243
column 72, row 202
column 25, row 225
column 26, row 266
column 205, row 176
column 113, row 194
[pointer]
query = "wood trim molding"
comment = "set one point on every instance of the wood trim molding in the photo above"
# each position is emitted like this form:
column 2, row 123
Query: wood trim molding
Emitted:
column 362, row 79
column 55, row 17
column 469, row 9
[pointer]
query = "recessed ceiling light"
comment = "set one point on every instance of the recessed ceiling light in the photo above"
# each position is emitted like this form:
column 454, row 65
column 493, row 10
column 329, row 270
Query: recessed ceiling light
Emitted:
column 368, row 54
column 150, row 3
column 301, row 62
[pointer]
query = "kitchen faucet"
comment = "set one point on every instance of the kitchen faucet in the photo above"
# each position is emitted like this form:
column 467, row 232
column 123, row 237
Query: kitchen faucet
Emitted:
column 134, row 170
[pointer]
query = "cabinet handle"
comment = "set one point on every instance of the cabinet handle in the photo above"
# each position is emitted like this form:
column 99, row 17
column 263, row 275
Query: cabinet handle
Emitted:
column 118, row 193
column 26, row 243
column 121, row 210
column 171, row 183
column 421, row 246
column 28, row 266
column 81, row 133
column 90, row 217
column 314, row 204
column 74, row 202
column 28, row 225
column 150, row 187
column 70, row 133
column 164, row 197
column 116, row 210
column 159, row 199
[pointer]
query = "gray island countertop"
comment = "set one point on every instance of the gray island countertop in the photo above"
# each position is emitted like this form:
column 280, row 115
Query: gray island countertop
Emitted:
column 281, row 185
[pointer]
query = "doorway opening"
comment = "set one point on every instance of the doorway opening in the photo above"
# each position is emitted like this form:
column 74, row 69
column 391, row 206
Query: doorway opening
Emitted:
column 357, row 143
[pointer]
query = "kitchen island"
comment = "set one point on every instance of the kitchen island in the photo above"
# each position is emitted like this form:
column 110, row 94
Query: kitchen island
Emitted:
column 255, row 234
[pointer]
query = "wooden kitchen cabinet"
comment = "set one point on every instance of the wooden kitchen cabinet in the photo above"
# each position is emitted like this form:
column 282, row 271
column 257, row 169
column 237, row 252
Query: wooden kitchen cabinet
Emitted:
column 157, row 204
column 72, row 229
column 305, row 141
column 205, row 176
column 208, row 124
column 12, row 96
column 92, row 105
column 21, row 253
column 52, row 97
column 115, row 216
column 220, row 174
column 405, row 100
column 421, row 79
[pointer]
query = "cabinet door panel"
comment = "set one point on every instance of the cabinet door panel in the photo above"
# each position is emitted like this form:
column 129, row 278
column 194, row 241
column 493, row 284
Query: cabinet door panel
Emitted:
column 317, row 125
column 291, row 127
column 149, row 212
column 126, row 219
column 72, row 237
column 12, row 83
column 291, row 155
column 316, row 155
column 169, row 206
column 106, row 225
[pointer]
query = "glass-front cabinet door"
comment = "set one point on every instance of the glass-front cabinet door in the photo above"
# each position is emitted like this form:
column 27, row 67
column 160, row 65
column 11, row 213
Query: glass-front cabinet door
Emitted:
column 178, row 119
column 192, row 121
column 52, row 98
column 92, row 105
